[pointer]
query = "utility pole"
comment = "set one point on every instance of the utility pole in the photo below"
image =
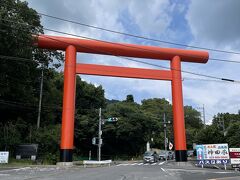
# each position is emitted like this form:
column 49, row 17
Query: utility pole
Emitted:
column 203, row 115
column 99, row 134
column 40, row 100
column 204, row 120
column 165, row 133
column 222, row 123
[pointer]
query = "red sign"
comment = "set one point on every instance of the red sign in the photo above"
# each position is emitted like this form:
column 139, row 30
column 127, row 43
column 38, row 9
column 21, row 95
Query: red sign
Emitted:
column 234, row 154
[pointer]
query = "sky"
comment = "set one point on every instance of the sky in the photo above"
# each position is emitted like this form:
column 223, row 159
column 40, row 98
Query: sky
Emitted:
column 211, row 24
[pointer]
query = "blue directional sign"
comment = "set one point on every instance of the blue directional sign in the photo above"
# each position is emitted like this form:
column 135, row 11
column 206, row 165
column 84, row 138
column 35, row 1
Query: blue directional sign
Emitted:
column 200, row 152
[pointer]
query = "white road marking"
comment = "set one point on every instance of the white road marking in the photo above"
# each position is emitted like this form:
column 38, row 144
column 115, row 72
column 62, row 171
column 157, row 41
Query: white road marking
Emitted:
column 163, row 170
column 225, row 178
column 123, row 164
column 199, row 170
column 216, row 167
column 140, row 164
column 25, row 168
column 133, row 164
column 161, row 163
column 223, row 172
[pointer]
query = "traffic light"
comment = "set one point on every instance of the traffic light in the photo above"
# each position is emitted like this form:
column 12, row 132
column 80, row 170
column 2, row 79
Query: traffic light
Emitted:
column 112, row 119
column 94, row 141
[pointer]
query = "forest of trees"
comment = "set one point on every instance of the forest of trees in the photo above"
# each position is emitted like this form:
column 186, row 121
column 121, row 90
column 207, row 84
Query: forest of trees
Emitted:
column 21, row 65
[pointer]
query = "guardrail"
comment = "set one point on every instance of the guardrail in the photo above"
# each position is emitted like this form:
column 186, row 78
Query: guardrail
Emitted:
column 90, row 162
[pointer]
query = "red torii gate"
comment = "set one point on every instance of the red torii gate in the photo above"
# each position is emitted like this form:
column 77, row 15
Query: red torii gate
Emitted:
column 71, row 68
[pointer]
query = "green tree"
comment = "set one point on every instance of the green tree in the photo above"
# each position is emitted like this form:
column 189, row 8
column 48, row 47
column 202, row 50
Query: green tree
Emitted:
column 192, row 118
column 210, row 135
column 20, row 72
column 130, row 98
column 233, row 135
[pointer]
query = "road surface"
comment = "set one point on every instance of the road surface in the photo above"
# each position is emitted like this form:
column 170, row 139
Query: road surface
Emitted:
column 124, row 171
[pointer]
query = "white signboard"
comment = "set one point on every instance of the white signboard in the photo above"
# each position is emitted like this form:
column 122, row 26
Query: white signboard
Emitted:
column 234, row 155
column 4, row 156
column 216, row 151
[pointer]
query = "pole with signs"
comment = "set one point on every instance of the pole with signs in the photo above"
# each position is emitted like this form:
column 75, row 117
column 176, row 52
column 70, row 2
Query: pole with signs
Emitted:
column 235, row 157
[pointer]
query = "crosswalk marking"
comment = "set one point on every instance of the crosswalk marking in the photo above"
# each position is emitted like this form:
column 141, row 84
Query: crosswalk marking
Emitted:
column 141, row 164
column 161, row 163
column 133, row 164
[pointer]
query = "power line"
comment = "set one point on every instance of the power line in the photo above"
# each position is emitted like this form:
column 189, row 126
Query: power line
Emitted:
column 164, row 67
column 208, row 80
column 184, row 78
column 124, row 45
column 18, row 58
column 224, row 60
column 138, row 36
column 29, row 105
column 130, row 59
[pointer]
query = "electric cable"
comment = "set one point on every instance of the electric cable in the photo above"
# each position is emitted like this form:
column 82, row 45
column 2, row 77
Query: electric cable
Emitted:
column 75, row 35
column 184, row 71
column 138, row 36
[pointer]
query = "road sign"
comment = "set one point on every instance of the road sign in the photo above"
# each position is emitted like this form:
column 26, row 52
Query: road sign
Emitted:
column 170, row 146
column 212, row 153
column 234, row 155
column 199, row 149
column 4, row 155
column 94, row 141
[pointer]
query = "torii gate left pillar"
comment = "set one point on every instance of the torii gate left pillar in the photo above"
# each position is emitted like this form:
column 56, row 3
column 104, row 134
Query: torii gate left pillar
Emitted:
column 71, row 68
column 68, row 113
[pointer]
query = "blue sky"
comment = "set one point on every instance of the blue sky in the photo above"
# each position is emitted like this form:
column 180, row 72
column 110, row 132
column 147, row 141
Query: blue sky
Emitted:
column 212, row 24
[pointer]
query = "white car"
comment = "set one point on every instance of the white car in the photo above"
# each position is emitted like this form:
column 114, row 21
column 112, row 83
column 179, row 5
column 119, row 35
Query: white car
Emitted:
column 150, row 157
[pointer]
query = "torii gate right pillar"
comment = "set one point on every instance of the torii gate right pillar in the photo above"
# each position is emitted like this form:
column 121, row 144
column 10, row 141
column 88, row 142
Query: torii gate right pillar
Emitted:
column 178, row 111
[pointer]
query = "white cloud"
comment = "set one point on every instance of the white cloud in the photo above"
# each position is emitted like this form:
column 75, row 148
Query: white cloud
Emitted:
column 215, row 22
column 151, row 16
column 212, row 23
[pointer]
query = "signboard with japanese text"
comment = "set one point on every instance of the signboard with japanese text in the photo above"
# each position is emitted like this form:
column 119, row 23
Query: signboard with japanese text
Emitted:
column 234, row 155
column 216, row 151
column 4, row 155
column 214, row 162
column 212, row 153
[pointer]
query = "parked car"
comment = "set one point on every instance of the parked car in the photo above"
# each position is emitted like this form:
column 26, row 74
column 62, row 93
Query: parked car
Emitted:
column 150, row 157
column 171, row 155
column 163, row 155
column 190, row 153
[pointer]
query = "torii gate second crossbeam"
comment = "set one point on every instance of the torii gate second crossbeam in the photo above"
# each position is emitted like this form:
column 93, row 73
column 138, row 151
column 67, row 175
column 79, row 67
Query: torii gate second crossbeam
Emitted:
column 71, row 68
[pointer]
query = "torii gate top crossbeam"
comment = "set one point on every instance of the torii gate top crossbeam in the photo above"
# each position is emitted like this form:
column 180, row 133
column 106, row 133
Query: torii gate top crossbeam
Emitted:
column 120, row 49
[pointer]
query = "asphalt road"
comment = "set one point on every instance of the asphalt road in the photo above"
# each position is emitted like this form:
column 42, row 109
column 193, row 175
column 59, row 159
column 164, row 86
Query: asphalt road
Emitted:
column 124, row 171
